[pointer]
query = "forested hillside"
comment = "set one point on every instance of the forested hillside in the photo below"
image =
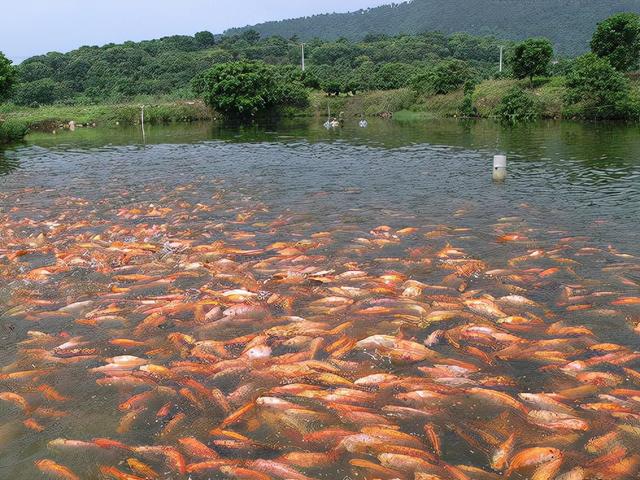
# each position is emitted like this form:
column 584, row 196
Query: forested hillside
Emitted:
column 568, row 23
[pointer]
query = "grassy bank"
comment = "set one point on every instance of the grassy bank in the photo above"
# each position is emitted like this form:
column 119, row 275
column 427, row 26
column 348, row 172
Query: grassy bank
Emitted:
column 106, row 115
column 401, row 104
column 404, row 104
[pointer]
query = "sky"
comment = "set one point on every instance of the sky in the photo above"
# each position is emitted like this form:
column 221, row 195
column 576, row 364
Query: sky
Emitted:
column 33, row 27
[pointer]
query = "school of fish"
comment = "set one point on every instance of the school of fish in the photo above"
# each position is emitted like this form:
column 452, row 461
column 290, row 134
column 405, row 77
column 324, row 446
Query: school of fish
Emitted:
column 220, row 340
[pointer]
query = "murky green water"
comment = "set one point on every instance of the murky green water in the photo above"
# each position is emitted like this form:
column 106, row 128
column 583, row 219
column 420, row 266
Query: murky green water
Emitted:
column 269, row 271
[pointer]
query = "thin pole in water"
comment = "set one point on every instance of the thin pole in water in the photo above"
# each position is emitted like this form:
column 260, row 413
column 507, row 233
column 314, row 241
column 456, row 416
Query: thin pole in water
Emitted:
column 144, row 135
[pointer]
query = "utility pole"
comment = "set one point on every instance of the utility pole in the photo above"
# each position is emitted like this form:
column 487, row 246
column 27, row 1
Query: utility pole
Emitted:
column 501, row 50
column 302, row 57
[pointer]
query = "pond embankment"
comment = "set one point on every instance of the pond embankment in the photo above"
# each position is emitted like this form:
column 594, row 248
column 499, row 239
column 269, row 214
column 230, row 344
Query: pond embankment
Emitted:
column 403, row 104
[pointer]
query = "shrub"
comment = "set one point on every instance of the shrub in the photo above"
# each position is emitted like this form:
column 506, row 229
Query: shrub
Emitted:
column 12, row 130
column 596, row 90
column 331, row 87
column 517, row 105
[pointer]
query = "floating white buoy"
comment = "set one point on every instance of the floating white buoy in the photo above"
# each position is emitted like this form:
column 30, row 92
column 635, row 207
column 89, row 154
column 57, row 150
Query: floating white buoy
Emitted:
column 499, row 167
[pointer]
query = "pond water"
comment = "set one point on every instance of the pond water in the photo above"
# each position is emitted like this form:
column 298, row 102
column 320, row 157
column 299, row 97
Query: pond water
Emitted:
column 288, row 302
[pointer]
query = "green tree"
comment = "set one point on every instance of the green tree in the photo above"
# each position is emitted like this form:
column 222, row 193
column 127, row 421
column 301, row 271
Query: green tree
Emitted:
column 532, row 58
column 41, row 92
column 205, row 39
column 597, row 90
column 245, row 89
column 393, row 75
column 8, row 77
column 618, row 40
column 445, row 77
column 332, row 87
column 250, row 36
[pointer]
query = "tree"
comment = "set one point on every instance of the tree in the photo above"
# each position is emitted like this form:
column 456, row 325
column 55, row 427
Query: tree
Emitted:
column 597, row 90
column 250, row 36
column 245, row 89
column 40, row 92
column 618, row 40
column 445, row 77
column 8, row 76
column 532, row 58
column 205, row 39
column 393, row 75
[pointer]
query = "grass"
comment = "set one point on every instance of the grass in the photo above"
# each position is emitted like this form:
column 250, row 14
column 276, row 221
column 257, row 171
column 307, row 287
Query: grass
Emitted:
column 437, row 106
column 403, row 104
column 371, row 104
column 12, row 130
column 57, row 116
column 488, row 94
column 547, row 93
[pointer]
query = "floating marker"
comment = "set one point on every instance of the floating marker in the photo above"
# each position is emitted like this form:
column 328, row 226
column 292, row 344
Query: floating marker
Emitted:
column 499, row 167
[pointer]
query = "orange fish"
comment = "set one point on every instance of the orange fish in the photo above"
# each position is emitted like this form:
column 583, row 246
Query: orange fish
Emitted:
column 56, row 470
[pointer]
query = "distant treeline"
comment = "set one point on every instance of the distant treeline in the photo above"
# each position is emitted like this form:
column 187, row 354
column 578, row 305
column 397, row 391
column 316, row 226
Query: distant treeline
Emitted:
column 166, row 66
column 567, row 23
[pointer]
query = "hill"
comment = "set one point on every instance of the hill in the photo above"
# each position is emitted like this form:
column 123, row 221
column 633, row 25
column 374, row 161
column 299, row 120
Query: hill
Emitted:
column 568, row 23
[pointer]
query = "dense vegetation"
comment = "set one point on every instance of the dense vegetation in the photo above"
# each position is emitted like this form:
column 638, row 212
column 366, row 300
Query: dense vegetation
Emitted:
column 242, row 90
column 567, row 23
column 618, row 40
column 245, row 75
column 8, row 76
column 11, row 130
column 166, row 66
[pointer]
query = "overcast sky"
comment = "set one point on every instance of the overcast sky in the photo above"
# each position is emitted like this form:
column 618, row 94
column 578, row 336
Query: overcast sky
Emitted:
column 32, row 27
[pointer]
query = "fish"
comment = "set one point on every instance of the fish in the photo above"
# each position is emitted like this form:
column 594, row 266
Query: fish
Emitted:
column 198, row 329
column 55, row 470
column 533, row 457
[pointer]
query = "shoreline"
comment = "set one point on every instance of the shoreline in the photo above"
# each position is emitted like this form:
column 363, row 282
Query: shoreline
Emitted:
column 401, row 104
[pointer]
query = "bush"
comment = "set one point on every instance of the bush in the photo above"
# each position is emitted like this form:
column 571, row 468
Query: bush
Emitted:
column 12, row 130
column 596, row 90
column 517, row 105
column 245, row 89
column 466, row 107
column 332, row 87
column 444, row 78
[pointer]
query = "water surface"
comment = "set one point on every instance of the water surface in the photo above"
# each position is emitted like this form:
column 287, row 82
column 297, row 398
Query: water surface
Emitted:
column 251, row 264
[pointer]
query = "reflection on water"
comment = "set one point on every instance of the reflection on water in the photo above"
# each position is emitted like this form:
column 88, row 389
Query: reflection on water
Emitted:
column 292, row 303
column 7, row 165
